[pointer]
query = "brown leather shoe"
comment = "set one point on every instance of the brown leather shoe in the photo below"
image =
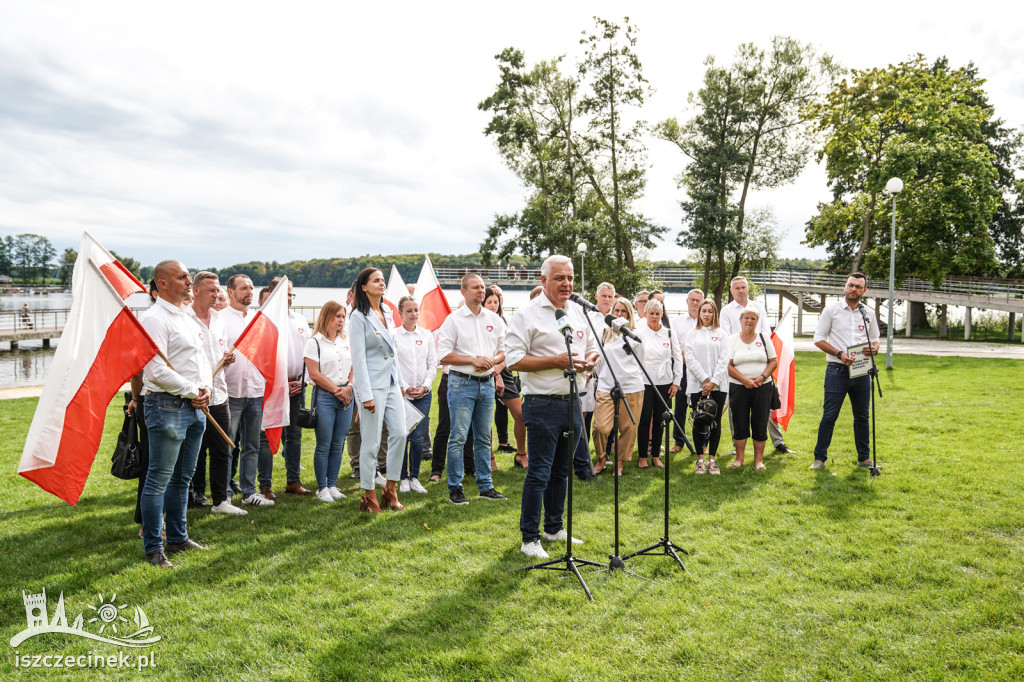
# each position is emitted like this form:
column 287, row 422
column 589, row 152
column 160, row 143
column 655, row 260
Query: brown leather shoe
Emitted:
column 389, row 498
column 369, row 502
column 183, row 546
column 268, row 493
column 297, row 489
column 159, row 559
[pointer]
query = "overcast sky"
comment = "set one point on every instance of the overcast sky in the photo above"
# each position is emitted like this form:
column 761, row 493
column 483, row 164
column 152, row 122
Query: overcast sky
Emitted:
column 220, row 132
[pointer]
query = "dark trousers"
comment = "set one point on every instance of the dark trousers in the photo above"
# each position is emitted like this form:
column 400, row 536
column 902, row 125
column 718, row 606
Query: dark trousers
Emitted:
column 143, row 456
column 682, row 400
column 219, row 456
column 291, row 439
column 650, row 420
column 838, row 385
column 709, row 435
column 501, row 421
column 444, row 429
column 749, row 411
column 547, row 477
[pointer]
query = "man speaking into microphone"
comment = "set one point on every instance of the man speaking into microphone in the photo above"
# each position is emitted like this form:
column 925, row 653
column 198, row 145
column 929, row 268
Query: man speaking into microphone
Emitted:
column 535, row 346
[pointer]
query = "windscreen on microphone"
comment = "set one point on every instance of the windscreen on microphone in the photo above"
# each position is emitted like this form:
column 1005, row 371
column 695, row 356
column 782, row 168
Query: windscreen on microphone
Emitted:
column 579, row 300
column 619, row 325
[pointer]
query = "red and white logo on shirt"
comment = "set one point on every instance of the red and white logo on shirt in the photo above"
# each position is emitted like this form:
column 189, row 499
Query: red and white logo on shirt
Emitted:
column 860, row 327
column 757, row 343
column 714, row 338
column 579, row 333
column 490, row 327
column 666, row 344
column 419, row 342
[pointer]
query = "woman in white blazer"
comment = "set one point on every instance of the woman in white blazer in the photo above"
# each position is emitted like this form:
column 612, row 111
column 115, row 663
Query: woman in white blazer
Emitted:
column 707, row 372
column 379, row 388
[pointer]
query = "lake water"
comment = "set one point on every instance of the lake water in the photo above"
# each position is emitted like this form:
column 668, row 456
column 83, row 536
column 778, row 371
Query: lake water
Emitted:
column 28, row 365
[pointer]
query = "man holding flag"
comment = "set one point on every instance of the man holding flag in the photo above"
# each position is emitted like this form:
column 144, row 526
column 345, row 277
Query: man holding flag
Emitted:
column 177, row 385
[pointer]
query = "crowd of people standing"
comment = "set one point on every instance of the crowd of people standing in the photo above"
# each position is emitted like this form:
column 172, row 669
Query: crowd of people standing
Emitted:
column 372, row 388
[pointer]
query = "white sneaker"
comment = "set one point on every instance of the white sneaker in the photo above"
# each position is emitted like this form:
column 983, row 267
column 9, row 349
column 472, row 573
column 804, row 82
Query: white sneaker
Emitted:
column 226, row 507
column 335, row 493
column 379, row 480
column 257, row 500
column 403, row 487
column 416, row 486
column 533, row 550
column 560, row 536
column 324, row 495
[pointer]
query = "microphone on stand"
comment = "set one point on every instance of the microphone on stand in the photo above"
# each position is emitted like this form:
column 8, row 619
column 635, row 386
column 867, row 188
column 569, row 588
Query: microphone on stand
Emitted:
column 584, row 303
column 564, row 326
column 619, row 325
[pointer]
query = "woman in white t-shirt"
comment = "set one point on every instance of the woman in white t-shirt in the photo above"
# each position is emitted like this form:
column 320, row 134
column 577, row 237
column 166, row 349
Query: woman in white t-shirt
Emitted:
column 329, row 364
column 663, row 360
column 707, row 362
column 631, row 379
column 751, row 363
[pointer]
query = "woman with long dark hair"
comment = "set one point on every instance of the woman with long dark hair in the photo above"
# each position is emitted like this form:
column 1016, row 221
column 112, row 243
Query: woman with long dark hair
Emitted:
column 379, row 388
column 506, row 391
column 329, row 364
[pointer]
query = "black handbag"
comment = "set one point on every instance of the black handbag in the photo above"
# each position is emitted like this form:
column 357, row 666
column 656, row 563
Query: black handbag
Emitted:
column 306, row 417
column 776, row 400
column 125, row 461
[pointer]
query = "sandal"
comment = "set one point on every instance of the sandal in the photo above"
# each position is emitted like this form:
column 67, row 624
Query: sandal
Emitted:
column 760, row 467
column 735, row 465
column 713, row 467
column 645, row 465
column 434, row 479
column 700, row 467
column 519, row 465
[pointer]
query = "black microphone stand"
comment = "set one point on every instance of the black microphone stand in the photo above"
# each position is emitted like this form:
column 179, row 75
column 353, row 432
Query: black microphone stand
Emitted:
column 665, row 544
column 875, row 383
column 570, row 562
column 615, row 561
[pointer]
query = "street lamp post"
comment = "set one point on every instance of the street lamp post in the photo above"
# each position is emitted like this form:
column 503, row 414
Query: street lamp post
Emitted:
column 764, row 278
column 582, row 250
column 893, row 187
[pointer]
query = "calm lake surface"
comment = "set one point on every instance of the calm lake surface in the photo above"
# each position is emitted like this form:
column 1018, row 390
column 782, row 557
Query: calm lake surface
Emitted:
column 28, row 365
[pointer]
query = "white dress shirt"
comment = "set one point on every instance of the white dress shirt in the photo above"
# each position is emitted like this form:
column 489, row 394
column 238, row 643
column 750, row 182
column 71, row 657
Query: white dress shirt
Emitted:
column 177, row 335
column 707, row 357
column 464, row 333
column 335, row 357
column 244, row 380
column 730, row 317
column 631, row 378
column 660, row 349
column 298, row 335
column 750, row 359
column 843, row 327
column 683, row 325
column 417, row 357
column 533, row 331
column 215, row 341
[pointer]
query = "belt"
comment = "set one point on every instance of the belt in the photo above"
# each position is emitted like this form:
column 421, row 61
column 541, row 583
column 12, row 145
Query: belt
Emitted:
column 553, row 396
column 471, row 377
column 296, row 378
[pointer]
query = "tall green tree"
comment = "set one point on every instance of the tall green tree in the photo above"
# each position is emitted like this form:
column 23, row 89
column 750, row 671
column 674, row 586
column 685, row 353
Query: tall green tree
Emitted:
column 749, row 132
column 928, row 127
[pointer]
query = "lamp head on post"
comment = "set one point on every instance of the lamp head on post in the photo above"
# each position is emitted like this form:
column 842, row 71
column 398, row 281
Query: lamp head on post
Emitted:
column 581, row 248
column 894, row 186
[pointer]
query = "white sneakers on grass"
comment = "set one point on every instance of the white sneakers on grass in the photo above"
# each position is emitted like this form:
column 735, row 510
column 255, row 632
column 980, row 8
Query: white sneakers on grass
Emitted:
column 379, row 480
column 416, row 486
column 533, row 550
column 324, row 495
column 560, row 536
column 257, row 500
column 335, row 493
column 403, row 487
column 226, row 507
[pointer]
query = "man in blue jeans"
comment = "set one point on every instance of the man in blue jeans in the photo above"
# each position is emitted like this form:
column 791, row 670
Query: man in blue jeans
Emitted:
column 536, row 347
column 471, row 340
column 844, row 324
column 177, row 388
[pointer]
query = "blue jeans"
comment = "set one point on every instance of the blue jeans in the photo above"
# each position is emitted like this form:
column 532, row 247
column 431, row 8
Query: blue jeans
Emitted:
column 247, row 419
column 414, row 448
column 175, row 433
column 332, row 422
column 838, row 385
column 547, row 477
column 470, row 403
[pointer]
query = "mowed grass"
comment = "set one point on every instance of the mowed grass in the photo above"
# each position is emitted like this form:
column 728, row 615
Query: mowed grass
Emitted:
column 793, row 574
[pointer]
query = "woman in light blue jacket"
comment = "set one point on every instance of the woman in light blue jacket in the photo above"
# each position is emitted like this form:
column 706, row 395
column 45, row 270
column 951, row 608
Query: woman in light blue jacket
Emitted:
column 379, row 388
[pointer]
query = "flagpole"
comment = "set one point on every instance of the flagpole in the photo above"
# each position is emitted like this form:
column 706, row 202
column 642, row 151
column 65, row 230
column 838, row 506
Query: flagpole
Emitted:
column 209, row 417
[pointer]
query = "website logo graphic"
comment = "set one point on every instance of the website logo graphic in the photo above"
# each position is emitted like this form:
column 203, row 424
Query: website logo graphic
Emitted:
column 112, row 622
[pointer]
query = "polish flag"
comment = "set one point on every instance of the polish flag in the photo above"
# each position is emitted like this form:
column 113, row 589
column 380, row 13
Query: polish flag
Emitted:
column 785, row 374
column 123, row 281
column 396, row 290
column 264, row 342
column 101, row 347
column 434, row 305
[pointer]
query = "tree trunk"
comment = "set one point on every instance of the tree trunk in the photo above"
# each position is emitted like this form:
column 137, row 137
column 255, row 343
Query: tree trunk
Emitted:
column 918, row 315
column 865, row 238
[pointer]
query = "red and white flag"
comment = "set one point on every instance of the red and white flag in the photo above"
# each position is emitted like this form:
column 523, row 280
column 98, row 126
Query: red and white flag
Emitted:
column 785, row 374
column 123, row 281
column 396, row 290
column 264, row 341
column 101, row 347
column 434, row 305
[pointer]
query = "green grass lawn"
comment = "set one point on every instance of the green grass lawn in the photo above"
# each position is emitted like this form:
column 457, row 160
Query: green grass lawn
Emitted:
column 793, row 574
